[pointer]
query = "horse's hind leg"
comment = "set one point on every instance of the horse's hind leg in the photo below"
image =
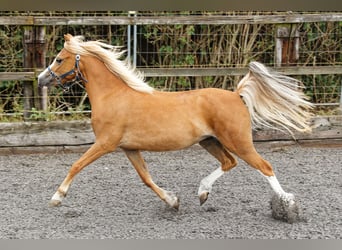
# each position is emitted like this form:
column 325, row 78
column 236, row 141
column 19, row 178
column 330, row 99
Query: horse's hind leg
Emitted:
column 215, row 148
column 265, row 168
column 140, row 166
column 284, row 205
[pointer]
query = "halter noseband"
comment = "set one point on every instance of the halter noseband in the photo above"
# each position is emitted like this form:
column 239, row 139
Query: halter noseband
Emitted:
column 76, row 70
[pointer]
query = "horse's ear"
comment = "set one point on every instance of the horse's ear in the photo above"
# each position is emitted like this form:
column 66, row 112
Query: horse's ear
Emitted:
column 67, row 37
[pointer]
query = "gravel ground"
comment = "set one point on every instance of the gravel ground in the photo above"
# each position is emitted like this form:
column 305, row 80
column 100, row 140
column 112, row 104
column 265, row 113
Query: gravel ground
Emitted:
column 108, row 200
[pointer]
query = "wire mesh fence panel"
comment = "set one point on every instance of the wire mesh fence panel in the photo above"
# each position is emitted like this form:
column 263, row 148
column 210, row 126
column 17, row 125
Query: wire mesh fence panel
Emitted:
column 185, row 50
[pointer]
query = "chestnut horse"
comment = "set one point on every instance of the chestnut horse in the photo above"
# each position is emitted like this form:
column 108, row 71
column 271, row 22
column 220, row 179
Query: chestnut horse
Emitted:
column 128, row 113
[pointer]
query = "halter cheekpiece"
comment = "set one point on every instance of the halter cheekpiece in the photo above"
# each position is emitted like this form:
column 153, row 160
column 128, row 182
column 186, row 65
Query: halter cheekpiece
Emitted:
column 76, row 70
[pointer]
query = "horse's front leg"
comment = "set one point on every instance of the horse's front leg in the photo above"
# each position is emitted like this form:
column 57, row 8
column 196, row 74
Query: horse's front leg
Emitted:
column 140, row 166
column 93, row 153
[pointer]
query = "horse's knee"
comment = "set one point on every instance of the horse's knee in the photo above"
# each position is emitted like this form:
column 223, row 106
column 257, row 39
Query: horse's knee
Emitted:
column 229, row 163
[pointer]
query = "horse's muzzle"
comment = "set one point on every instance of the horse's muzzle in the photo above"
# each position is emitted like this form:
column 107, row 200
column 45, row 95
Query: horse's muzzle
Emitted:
column 45, row 79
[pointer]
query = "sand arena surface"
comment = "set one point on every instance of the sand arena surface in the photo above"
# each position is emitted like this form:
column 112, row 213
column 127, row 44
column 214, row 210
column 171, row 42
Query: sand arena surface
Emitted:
column 108, row 199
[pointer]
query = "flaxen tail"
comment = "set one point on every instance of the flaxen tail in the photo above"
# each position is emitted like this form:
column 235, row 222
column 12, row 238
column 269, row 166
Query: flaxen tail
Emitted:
column 274, row 99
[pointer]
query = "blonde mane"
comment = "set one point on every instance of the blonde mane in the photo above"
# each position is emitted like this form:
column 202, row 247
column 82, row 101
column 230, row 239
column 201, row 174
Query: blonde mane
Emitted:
column 110, row 56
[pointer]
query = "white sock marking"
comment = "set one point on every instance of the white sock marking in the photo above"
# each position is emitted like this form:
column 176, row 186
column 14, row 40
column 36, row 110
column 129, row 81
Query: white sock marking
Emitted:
column 56, row 197
column 207, row 182
column 277, row 188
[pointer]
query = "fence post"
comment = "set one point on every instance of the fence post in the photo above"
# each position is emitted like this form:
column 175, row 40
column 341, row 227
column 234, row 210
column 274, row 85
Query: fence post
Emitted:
column 44, row 101
column 287, row 45
column 34, row 57
column 132, row 60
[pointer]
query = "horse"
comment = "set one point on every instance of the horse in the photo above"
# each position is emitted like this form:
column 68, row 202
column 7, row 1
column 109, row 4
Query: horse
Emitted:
column 129, row 114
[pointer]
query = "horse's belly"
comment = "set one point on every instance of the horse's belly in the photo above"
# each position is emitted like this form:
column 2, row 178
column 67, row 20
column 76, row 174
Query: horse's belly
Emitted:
column 164, row 139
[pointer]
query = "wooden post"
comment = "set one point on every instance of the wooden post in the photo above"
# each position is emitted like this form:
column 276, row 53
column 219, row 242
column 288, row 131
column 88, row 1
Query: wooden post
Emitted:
column 44, row 96
column 34, row 57
column 287, row 45
column 28, row 85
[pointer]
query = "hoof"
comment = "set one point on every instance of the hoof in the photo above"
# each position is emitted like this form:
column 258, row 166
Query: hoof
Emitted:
column 172, row 200
column 286, row 209
column 176, row 205
column 55, row 203
column 203, row 197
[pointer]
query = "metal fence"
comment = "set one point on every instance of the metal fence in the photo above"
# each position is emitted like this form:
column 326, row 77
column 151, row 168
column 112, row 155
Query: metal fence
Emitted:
column 176, row 51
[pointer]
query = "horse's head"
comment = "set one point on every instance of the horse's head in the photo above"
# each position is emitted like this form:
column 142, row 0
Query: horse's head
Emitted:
column 64, row 69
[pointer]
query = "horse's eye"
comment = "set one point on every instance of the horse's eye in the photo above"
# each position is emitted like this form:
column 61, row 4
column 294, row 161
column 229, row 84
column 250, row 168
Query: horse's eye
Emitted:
column 58, row 60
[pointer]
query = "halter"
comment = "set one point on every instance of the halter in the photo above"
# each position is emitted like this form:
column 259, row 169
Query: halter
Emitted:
column 76, row 70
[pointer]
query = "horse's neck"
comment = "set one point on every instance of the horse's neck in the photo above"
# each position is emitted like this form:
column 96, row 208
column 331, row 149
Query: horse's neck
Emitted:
column 101, row 81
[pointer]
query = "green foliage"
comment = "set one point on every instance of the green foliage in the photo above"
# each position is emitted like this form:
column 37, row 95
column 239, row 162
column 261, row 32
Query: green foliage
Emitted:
column 11, row 50
column 323, row 88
